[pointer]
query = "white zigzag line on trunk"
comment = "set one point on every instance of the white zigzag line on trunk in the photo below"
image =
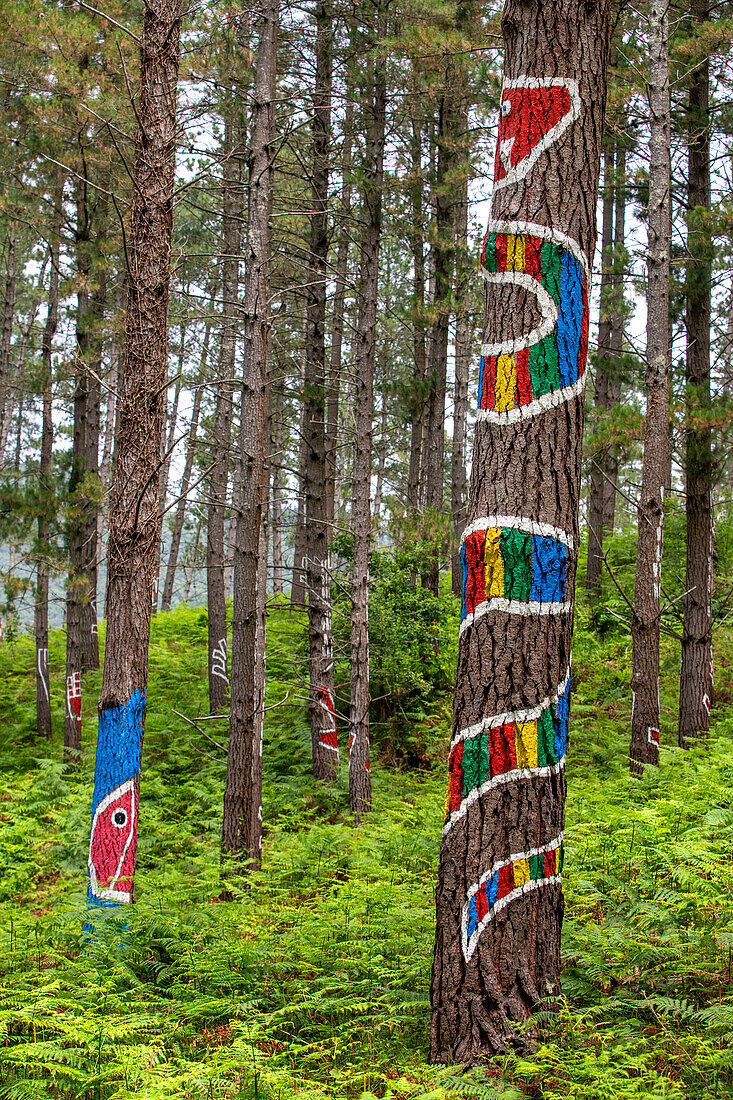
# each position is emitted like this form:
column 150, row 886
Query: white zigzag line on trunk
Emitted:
column 541, row 404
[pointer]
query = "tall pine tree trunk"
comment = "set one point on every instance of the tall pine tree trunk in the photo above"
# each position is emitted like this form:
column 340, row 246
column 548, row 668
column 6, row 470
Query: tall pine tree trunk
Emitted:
column 222, row 435
column 134, row 522
column 6, row 336
column 499, row 900
column 645, row 624
column 321, row 696
column 241, row 824
column 696, row 683
column 43, row 698
column 360, row 782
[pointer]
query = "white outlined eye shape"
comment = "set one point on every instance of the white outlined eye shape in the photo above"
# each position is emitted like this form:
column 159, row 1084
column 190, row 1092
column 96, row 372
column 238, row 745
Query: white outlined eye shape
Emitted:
column 506, row 107
column 119, row 818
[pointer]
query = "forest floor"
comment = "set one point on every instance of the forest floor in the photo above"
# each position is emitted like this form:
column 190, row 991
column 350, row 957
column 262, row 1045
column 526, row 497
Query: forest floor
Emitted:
column 314, row 982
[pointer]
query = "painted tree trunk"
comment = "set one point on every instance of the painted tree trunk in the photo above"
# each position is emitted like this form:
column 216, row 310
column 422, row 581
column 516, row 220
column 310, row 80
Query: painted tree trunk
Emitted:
column 134, row 522
column 43, row 696
column 241, row 824
column 645, row 624
column 222, row 436
column 320, row 659
column 499, row 900
column 696, row 683
column 360, row 782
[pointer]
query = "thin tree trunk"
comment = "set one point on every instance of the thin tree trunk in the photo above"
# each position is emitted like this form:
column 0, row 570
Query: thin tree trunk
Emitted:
column 360, row 781
column 168, row 442
column 134, row 521
column 170, row 572
column 499, row 902
column 222, row 437
column 462, row 369
column 300, row 544
column 650, row 516
column 320, row 659
column 276, row 465
column 418, row 403
column 241, row 823
column 189, row 573
column 43, row 697
column 6, row 337
column 696, row 682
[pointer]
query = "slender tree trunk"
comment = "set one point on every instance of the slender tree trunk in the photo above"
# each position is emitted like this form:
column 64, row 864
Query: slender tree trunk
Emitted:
column 645, row 626
column 321, row 696
column 462, row 368
column 134, row 521
column 499, row 900
column 300, row 547
column 43, row 696
column 696, row 683
column 604, row 368
column 241, row 824
column 276, row 465
column 6, row 337
column 170, row 572
column 168, row 441
column 360, row 782
column 190, row 571
column 222, row 437
column 414, row 474
column 617, row 332
column 261, row 635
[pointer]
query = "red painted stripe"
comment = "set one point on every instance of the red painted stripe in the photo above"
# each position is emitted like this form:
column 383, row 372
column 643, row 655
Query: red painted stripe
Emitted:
column 501, row 251
column 481, row 904
column 502, row 752
column 550, row 864
column 506, row 881
column 533, row 256
column 475, row 570
column 456, row 776
column 488, row 397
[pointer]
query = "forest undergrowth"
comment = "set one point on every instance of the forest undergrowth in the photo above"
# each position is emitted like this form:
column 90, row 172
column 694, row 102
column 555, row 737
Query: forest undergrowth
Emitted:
column 314, row 982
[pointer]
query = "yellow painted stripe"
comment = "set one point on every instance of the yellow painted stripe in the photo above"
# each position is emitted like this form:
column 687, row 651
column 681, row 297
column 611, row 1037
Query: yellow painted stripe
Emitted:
column 447, row 798
column 506, row 383
column 521, row 872
column 494, row 572
column 515, row 250
column 526, row 744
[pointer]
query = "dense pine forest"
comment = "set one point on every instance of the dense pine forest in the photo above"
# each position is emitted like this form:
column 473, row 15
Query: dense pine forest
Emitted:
column 366, row 485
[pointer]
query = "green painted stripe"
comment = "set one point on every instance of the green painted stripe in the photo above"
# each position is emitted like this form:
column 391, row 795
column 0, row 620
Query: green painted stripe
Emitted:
column 516, row 554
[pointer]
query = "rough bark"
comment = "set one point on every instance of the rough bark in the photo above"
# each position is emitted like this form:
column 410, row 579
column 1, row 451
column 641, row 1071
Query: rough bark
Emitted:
column 320, row 660
column 460, row 391
column 134, row 522
column 360, row 783
column 499, row 901
column 300, row 543
column 696, row 682
column 222, row 436
column 276, row 466
column 415, row 479
column 241, row 824
column 645, row 624
column 6, row 336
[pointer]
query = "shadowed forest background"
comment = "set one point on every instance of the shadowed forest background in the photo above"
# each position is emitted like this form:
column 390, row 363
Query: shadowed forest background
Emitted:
column 306, row 970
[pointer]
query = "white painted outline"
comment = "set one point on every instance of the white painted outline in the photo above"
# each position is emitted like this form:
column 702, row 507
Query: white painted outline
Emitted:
column 519, row 523
column 42, row 666
column 652, row 740
column 517, row 172
column 541, row 404
column 544, row 233
column 73, row 682
column 497, row 781
column 469, row 945
column 515, row 607
column 108, row 893
column 548, row 309
column 526, row 715
column 219, row 661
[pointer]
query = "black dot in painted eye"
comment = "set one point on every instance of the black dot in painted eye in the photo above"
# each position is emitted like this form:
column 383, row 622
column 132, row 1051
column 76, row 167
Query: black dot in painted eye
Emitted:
column 119, row 818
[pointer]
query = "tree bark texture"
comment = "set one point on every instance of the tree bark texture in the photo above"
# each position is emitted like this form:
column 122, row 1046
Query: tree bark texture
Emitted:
column 241, row 825
column 645, row 624
column 6, row 336
column 499, row 900
column 360, row 782
column 460, row 391
column 696, row 682
column 222, row 437
column 321, row 694
column 134, row 523
column 415, row 478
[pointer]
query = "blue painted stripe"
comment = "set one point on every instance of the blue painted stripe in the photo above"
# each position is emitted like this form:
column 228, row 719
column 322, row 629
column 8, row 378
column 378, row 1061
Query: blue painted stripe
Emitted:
column 562, row 716
column 119, row 744
column 491, row 889
column 481, row 381
column 464, row 570
column 549, row 569
column 570, row 320
column 472, row 924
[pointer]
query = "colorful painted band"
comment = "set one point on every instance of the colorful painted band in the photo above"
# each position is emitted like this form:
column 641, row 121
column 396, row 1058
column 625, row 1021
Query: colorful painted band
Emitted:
column 511, row 568
column 508, row 880
column 519, row 374
column 526, row 744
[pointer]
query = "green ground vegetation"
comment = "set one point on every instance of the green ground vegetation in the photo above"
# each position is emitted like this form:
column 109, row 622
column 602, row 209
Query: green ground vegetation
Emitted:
column 314, row 981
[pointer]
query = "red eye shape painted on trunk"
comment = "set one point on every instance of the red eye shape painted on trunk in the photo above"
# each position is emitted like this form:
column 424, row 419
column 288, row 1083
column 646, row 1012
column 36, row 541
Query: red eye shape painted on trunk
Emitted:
column 534, row 112
column 112, row 845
